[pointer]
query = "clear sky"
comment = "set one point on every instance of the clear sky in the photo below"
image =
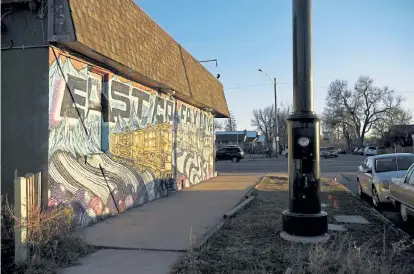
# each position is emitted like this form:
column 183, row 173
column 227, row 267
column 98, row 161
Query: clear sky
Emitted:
column 350, row 38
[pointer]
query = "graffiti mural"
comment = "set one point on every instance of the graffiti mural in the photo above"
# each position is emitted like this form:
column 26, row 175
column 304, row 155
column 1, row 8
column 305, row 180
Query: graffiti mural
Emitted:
column 112, row 141
column 194, row 148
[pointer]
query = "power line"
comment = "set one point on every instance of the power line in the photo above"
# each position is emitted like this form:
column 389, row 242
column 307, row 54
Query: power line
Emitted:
column 284, row 83
column 252, row 86
column 248, row 86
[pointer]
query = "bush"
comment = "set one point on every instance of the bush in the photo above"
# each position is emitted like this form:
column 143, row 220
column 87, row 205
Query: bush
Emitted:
column 51, row 245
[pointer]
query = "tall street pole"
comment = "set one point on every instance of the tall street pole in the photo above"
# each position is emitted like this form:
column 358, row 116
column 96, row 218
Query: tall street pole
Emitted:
column 276, row 137
column 276, row 121
column 304, row 217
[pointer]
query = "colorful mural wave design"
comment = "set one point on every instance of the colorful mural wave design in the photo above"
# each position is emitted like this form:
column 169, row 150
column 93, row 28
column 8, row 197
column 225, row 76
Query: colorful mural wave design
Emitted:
column 102, row 163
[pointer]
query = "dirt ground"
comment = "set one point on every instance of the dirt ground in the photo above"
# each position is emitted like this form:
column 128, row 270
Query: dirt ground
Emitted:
column 250, row 242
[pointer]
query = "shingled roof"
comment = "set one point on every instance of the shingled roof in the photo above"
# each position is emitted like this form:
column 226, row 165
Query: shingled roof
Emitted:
column 119, row 34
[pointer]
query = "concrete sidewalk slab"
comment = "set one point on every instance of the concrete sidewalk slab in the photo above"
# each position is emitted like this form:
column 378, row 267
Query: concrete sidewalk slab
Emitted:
column 176, row 222
column 111, row 261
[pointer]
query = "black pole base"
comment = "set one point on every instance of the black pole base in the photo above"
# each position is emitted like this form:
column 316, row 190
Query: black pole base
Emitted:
column 308, row 225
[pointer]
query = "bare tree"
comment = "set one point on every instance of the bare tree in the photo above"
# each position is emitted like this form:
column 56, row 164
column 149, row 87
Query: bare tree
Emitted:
column 218, row 126
column 361, row 107
column 397, row 116
column 230, row 124
column 334, row 122
column 264, row 121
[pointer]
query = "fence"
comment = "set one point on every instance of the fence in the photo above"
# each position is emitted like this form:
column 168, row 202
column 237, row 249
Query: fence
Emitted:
column 397, row 149
column 27, row 197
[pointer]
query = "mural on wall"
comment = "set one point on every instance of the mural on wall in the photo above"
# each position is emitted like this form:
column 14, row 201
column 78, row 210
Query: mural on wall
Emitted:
column 194, row 148
column 111, row 141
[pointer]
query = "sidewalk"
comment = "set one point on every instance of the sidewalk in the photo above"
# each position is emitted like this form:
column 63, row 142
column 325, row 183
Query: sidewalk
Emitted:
column 150, row 238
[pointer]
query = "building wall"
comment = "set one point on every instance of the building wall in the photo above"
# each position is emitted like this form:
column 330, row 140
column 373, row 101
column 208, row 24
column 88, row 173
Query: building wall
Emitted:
column 24, row 98
column 146, row 137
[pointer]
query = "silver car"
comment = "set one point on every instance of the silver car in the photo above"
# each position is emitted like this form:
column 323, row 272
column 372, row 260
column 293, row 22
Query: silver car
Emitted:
column 402, row 195
column 376, row 172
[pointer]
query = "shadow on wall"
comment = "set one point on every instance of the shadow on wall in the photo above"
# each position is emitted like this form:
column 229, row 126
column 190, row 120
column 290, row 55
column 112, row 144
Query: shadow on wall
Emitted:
column 140, row 128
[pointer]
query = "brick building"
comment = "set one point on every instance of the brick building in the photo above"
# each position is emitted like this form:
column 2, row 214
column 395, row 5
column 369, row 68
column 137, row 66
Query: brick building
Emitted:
column 104, row 103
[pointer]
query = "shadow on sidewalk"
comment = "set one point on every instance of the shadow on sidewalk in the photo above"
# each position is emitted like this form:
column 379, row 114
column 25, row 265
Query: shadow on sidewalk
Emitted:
column 176, row 222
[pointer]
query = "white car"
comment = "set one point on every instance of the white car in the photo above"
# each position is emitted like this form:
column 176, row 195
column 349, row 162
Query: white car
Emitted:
column 285, row 152
column 377, row 172
column 370, row 151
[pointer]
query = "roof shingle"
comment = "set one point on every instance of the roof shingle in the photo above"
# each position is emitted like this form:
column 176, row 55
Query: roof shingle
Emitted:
column 121, row 31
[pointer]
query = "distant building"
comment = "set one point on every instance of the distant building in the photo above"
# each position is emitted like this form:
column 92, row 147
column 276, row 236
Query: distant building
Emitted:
column 248, row 140
column 399, row 134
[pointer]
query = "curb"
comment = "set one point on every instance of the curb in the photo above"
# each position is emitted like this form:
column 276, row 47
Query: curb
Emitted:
column 236, row 209
column 253, row 187
column 374, row 211
column 208, row 235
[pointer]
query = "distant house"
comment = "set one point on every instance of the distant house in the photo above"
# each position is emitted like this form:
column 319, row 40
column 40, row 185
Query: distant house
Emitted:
column 248, row 140
column 407, row 129
column 400, row 135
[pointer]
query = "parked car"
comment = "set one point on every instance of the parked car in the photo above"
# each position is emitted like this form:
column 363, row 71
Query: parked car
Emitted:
column 360, row 151
column 285, row 152
column 341, row 151
column 370, row 151
column 376, row 172
column 326, row 152
column 355, row 151
column 402, row 195
column 233, row 153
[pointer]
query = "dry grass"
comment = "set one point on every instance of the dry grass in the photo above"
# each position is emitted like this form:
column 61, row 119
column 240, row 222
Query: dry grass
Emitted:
column 250, row 243
column 51, row 245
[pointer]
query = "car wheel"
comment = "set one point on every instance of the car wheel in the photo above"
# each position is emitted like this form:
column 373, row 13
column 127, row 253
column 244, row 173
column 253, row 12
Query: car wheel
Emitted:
column 405, row 218
column 375, row 197
column 234, row 159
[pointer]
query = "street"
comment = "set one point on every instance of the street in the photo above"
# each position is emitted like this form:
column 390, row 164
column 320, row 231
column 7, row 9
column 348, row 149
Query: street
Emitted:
column 345, row 164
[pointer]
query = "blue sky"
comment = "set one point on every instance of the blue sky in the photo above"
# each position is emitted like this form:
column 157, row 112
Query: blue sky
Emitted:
column 350, row 38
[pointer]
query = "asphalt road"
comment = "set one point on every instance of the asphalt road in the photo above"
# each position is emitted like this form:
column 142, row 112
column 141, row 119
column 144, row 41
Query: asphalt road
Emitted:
column 345, row 164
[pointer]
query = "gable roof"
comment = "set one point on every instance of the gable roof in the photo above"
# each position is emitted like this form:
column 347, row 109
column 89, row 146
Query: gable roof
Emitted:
column 119, row 34
column 402, row 128
column 233, row 136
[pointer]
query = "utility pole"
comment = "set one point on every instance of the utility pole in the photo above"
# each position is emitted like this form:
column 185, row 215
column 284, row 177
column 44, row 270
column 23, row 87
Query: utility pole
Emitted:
column 304, row 217
column 276, row 138
column 277, row 122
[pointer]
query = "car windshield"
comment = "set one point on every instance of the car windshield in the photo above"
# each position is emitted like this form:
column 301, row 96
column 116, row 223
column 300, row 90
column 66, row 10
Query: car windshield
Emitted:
column 386, row 165
column 371, row 148
column 330, row 148
column 393, row 163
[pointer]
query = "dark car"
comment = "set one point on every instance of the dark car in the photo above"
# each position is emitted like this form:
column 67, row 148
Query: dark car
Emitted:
column 341, row 151
column 233, row 153
column 326, row 152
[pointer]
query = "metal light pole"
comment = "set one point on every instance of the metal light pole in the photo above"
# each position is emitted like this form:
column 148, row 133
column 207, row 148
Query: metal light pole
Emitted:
column 276, row 139
column 304, row 216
